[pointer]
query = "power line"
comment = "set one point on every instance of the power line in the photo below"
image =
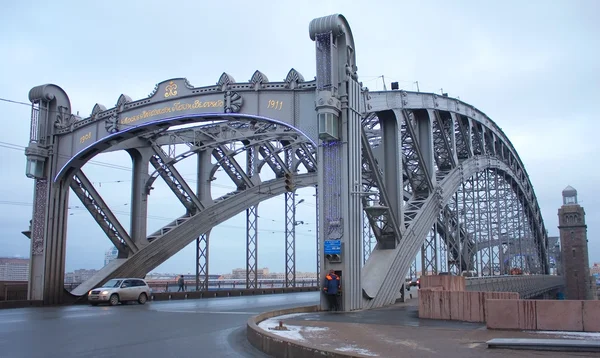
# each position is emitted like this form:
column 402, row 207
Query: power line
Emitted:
column 156, row 217
column 17, row 102
column 124, row 168
column 95, row 162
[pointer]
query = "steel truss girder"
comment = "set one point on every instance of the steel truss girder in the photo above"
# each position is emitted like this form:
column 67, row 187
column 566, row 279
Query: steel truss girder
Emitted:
column 208, row 137
column 463, row 142
column 202, row 260
column 459, row 248
column 429, row 253
column 413, row 160
column 304, row 150
column 231, row 167
column 175, row 181
column 290, row 240
column 252, row 247
column 476, row 138
column 105, row 218
column 382, row 290
column 367, row 235
column 251, row 228
column 168, row 243
column 290, row 230
column 382, row 217
column 466, row 131
column 305, row 154
column 442, row 127
column 272, row 159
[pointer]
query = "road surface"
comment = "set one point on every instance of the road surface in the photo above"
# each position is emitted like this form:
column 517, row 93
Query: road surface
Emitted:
column 191, row 328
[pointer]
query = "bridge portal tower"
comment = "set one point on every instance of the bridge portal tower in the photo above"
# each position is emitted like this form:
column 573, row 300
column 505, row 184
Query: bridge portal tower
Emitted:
column 339, row 183
column 51, row 108
column 574, row 248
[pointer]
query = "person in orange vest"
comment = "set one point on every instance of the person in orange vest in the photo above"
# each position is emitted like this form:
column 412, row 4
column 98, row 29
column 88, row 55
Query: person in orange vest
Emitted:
column 331, row 285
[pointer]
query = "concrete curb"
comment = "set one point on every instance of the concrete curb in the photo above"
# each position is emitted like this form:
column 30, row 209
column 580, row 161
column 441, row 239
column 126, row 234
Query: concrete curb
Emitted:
column 561, row 345
column 20, row 304
column 278, row 346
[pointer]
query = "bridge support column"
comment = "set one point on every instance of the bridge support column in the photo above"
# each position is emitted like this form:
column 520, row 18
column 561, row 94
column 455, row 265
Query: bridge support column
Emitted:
column 251, row 227
column 204, row 167
column 339, row 122
column 50, row 106
column 392, row 164
column 139, row 194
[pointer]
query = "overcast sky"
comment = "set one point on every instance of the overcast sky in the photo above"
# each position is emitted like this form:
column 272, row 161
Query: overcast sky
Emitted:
column 532, row 66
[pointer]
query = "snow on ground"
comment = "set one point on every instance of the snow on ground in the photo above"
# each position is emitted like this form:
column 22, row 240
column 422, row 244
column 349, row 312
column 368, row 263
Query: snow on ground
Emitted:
column 293, row 332
column 570, row 334
column 355, row 349
column 297, row 333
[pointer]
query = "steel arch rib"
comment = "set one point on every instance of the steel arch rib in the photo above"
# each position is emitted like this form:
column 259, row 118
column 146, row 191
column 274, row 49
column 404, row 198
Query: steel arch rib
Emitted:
column 383, row 272
column 160, row 250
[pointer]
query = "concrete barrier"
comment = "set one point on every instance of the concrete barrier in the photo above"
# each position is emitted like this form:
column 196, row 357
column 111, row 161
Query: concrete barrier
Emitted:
column 469, row 306
column 543, row 315
column 446, row 282
column 278, row 346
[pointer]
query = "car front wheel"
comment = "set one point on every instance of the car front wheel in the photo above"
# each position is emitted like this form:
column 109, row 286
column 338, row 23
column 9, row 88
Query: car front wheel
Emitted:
column 114, row 299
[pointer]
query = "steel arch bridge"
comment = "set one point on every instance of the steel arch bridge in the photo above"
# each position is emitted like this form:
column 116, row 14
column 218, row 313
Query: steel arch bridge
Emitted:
column 416, row 172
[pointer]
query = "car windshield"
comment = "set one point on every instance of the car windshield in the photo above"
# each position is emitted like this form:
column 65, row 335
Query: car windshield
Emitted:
column 112, row 283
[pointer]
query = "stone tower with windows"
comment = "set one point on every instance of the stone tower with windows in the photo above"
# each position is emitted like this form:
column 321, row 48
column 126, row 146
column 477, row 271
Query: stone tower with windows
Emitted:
column 574, row 248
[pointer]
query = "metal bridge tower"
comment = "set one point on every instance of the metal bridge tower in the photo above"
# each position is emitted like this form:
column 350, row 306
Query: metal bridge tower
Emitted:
column 339, row 126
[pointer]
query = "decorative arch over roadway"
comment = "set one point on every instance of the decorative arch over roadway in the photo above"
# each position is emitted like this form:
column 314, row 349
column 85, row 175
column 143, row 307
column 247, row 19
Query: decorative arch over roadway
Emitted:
column 442, row 145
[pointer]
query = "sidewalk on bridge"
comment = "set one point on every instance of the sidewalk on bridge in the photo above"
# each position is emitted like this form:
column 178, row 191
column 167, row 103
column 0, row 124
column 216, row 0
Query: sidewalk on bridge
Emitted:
column 396, row 331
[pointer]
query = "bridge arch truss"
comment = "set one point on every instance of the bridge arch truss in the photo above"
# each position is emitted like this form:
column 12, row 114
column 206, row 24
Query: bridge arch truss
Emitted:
column 468, row 204
column 432, row 174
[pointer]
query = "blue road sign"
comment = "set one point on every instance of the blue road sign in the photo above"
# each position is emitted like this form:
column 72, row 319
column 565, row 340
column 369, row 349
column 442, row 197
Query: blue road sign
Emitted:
column 333, row 247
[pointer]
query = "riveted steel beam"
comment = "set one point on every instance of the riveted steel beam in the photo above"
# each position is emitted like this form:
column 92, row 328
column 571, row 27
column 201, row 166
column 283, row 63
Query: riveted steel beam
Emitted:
column 231, row 167
column 161, row 162
column 202, row 260
column 382, row 217
column 107, row 221
column 251, row 228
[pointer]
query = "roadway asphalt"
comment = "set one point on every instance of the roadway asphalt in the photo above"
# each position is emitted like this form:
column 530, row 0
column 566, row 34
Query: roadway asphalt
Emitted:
column 191, row 328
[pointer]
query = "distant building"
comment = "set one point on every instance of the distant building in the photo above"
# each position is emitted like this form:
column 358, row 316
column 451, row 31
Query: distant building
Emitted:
column 574, row 248
column 240, row 273
column 595, row 269
column 79, row 276
column 110, row 255
column 14, row 269
column 264, row 273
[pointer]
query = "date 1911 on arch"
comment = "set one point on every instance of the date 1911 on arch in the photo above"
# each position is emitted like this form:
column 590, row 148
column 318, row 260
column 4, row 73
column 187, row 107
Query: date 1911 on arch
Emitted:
column 276, row 105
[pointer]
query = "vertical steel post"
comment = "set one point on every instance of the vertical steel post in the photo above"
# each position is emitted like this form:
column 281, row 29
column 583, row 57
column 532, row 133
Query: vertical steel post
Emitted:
column 317, row 237
column 251, row 227
column 290, row 228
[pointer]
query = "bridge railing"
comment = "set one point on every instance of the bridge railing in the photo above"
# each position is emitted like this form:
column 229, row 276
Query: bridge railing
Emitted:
column 13, row 290
column 526, row 285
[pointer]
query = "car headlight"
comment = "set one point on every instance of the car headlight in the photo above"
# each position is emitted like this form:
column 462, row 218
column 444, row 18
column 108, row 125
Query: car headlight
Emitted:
column 89, row 292
column 105, row 292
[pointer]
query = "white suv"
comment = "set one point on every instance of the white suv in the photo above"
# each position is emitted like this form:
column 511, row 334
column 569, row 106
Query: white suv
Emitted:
column 120, row 290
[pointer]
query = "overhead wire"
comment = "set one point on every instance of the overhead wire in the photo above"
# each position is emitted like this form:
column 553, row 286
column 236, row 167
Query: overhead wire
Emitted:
column 156, row 217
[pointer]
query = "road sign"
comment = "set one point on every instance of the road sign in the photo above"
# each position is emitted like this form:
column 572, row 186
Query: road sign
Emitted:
column 333, row 247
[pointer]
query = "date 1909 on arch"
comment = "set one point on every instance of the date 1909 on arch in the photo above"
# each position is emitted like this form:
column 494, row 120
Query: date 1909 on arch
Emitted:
column 85, row 137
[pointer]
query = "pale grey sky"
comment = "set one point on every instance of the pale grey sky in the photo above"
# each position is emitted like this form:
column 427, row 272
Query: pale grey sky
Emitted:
column 531, row 66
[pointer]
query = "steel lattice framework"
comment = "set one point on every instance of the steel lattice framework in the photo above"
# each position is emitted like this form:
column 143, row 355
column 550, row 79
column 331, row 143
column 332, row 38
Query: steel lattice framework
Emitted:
column 400, row 175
